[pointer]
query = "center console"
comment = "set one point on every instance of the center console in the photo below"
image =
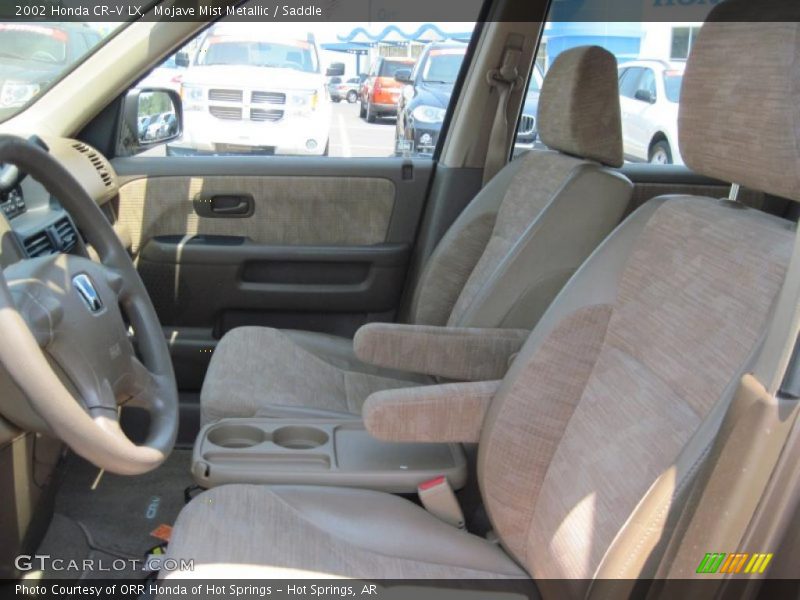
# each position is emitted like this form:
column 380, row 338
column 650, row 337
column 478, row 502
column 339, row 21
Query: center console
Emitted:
column 318, row 452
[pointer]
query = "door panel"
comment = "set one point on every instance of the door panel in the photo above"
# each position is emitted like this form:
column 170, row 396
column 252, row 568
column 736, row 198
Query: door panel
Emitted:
column 197, row 282
column 294, row 211
column 316, row 244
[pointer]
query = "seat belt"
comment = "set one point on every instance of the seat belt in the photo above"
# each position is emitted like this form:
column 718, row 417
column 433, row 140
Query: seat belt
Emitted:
column 439, row 499
column 505, row 80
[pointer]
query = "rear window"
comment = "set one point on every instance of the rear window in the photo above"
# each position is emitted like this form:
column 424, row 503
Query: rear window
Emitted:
column 672, row 85
column 390, row 67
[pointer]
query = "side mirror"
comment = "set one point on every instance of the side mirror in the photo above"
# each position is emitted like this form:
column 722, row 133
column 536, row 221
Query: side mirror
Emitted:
column 151, row 116
column 335, row 70
column 403, row 75
column 645, row 96
column 182, row 59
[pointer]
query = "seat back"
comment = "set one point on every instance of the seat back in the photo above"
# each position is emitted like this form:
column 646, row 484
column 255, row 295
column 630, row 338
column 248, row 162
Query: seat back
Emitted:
column 612, row 404
column 516, row 244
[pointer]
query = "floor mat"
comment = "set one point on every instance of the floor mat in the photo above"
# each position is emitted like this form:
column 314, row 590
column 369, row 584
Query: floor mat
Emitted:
column 118, row 516
column 67, row 546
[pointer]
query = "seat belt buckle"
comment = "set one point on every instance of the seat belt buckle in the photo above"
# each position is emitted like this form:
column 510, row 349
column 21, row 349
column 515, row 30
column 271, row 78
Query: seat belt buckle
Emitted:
column 439, row 499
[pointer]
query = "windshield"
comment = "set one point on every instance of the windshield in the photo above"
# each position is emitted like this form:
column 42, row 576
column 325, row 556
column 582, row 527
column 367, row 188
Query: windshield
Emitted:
column 226, row 51
column 672, row 85
column 33, row 56
column 443, row 66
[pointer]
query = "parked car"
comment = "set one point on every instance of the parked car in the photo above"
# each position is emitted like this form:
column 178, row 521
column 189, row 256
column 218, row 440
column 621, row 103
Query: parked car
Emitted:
column 347, row 89
column 331, row 86
column 425, row 96
column 527, row 131
column 144, row 123
column 247, row 92
column 159, row 126
column 34, row 54
column 649, row 92
column 380, row 90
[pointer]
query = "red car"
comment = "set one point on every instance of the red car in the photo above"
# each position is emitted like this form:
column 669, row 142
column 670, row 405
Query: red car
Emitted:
column 380, row 91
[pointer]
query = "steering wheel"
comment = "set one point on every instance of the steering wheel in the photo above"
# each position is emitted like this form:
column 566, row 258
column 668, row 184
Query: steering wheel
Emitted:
column 65, row 342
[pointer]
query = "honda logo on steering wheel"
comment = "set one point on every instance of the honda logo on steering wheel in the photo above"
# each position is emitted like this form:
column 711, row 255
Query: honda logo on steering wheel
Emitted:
column 87, row 291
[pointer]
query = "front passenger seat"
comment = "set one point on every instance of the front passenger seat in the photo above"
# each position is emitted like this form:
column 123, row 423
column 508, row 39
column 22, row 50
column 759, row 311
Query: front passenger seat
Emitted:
column 588, row 447
column 499, row 265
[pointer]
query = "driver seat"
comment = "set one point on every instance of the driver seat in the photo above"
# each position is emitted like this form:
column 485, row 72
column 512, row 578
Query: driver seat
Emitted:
column 588, row 447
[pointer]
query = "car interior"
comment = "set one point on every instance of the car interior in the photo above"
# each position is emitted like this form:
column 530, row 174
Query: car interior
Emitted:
column 553, row 366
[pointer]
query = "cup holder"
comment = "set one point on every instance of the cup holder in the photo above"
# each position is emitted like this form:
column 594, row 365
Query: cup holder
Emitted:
column 299, row 437
column 236, row 436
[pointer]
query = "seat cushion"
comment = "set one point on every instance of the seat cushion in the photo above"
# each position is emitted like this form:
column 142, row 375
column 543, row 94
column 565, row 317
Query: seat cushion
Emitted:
column 256, row 371
column 248, row 531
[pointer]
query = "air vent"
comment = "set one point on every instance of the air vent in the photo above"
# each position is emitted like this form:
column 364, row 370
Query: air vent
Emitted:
column 38, row 244
column 65, row 235
column 97, row 162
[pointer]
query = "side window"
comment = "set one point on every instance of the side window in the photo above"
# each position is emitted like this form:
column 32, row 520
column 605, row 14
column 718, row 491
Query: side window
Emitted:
column 629, row 83
column 286, row 89
column 647, row 84
column 621, row 75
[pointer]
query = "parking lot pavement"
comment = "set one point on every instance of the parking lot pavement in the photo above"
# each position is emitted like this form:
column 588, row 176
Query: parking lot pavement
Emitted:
column 353, row 136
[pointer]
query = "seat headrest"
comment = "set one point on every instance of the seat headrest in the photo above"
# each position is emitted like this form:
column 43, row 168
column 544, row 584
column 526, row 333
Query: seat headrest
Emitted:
column 579, row 110
column 739, row 117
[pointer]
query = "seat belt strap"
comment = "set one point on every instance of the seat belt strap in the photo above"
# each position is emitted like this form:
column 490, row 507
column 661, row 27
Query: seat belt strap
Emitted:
column 504, row 80
column 439, row 499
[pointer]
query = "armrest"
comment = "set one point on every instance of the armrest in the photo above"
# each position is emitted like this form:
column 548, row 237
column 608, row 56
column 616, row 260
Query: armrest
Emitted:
column 464, row 354
column 452, row 412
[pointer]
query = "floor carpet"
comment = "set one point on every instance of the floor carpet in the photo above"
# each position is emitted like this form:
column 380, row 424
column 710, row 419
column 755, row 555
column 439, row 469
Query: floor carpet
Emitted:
column 116, row 518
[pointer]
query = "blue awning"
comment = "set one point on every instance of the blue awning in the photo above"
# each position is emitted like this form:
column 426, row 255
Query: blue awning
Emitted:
column 393, row 34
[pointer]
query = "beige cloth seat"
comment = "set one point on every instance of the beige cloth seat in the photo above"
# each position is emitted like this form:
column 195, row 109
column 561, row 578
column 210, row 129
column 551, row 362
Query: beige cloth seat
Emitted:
column 287, row 531
column 588, row 446
column 499, row 265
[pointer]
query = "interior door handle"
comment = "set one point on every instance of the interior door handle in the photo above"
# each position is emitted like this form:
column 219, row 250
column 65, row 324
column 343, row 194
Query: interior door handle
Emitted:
column 229, row 205
column 224, row 205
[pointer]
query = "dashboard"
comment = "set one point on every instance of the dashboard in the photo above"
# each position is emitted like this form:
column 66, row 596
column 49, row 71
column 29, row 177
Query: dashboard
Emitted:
column 38, row 223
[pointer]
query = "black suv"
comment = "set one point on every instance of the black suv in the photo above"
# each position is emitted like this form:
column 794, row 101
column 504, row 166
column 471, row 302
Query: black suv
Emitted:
column 34, row 54
column 426, row 95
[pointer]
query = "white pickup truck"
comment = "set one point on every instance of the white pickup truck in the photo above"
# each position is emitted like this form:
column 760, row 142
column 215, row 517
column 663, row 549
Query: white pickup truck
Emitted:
column 245, row 92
